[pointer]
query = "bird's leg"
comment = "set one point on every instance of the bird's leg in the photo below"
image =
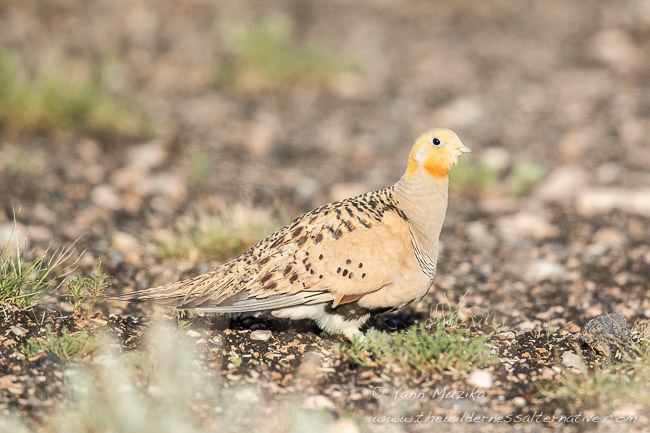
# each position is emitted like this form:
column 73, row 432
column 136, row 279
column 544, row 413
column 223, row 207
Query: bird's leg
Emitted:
column 353, row 333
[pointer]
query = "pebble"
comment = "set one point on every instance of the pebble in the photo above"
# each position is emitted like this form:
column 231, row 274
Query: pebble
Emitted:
column 571, row 360
column 147, row 156
column 539, row 270
column 310, row 365
column 519, row 401
column 125, row 243
column 617, row 49
column 18, row 330
column 594, row 201
column 260, row 335
column 14, row 234
column 480, row 379
column 527, row 224
column 461, row 112
column 496, row 158
column 106, row 197
column 610, row 237
column 319, row 402
column 562, row 184
column 547, row 373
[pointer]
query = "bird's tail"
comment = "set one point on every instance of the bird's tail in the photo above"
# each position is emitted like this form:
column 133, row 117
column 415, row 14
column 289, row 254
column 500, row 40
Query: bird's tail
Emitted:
column 168, row 294
column 182, row 294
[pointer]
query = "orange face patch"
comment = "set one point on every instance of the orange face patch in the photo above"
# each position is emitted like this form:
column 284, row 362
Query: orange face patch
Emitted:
column 436, row 161
column 438, row 164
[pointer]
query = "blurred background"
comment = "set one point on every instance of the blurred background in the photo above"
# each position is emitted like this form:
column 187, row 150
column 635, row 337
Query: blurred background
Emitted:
column 144, row 141
column 166, row 136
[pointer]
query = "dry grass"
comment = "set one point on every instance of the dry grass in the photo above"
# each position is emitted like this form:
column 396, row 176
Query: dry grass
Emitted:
column 217, row 237
column 51, row 102
column 266, row 56
column 23, row 281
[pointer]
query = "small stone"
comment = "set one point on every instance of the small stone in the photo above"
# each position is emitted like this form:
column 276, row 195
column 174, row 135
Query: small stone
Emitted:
column 7, row 381
column 14, row 235
column 610, row 237
column 527, row 224
column 263, row 134
column 571, row 360
column 480, row 379
column 16, row 388
column 496, row 158
column 319, row 402
column 596, row 201
column 562, row 184
column 260, row 335
column 106, row 197
column 616, row 48
column 478, row 233
column 192, row 333
column 461, row 112
column 18, row 330
column 167, row 184
column 147, row 156
column 547, row 373
column 310, row 365
column 539, row 270
column 307, row 188
column 125, row 243
column 519, row 401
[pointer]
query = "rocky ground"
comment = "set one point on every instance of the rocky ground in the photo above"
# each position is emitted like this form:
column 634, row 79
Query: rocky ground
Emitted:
column 547, row 226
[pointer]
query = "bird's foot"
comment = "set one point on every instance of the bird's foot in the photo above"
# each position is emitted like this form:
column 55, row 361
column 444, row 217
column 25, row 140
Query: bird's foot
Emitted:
column 354, row 334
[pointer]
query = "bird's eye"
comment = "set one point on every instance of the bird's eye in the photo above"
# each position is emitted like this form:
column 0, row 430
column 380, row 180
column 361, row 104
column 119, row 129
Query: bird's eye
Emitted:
column 436, row 141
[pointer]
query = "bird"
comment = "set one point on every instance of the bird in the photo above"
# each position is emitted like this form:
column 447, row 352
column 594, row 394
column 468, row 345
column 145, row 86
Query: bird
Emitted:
column 341, row 263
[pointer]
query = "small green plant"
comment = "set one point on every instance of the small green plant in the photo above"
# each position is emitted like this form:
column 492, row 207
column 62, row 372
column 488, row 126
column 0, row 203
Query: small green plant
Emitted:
column 235, row 360
column 69, row 346
column 265, row 55
column 217, row 237
column 449, row 346
column 524, row 177
column 471, row 178
column 50, row 102
column 91, row 290
column 23, row 281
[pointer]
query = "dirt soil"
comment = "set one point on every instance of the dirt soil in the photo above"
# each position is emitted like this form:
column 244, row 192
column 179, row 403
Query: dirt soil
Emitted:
column 562, row 85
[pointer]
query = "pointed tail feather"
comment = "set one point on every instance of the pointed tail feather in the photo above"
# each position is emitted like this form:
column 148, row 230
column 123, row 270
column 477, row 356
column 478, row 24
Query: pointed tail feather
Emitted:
column 168, row 294
column 179, row 293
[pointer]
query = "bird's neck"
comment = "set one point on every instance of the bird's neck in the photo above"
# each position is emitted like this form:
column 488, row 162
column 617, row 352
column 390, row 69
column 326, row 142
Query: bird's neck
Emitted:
column 423, row 199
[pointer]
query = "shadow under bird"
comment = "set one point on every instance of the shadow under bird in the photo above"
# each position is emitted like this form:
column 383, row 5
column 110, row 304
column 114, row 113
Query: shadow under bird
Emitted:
column 341, row 262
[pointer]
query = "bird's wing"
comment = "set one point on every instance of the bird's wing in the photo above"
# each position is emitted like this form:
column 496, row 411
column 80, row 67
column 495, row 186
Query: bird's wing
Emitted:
column 336, row 253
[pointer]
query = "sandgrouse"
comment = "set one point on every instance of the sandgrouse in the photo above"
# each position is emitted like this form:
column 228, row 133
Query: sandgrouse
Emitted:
column 342, row 262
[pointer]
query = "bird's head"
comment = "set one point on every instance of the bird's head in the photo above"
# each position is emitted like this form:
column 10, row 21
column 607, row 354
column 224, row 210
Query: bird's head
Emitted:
column 435, row 152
